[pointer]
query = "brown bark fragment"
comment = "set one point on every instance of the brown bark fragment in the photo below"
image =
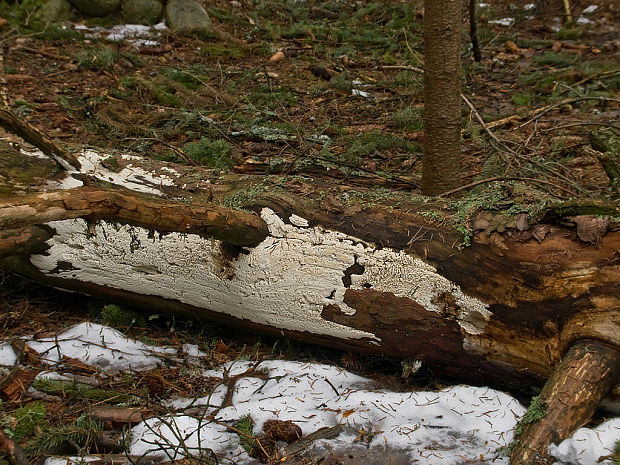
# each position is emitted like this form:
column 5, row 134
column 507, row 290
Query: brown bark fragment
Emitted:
column 586, row 374
column 119, row 414
column 16, row 382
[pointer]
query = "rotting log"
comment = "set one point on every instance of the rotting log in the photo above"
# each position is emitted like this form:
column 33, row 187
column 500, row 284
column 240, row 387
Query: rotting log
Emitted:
column 368, row 278
column 584, row 377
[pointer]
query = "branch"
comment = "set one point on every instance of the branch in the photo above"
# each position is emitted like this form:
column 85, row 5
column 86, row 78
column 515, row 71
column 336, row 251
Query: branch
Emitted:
column 232, row 226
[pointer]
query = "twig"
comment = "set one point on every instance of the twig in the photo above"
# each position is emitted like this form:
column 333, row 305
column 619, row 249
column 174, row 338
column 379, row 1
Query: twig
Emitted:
column 504, row 178
column 591, row 77
column 238, row 431
column 402, row 67
column 25, row 130
column 228, row 99
column 569, row 16
column 45, row 54
column 548, row 108
column 481, row 121
column 537, row 112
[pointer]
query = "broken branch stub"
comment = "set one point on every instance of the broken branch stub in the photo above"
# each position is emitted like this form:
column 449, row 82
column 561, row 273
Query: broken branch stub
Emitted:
column 588, row 371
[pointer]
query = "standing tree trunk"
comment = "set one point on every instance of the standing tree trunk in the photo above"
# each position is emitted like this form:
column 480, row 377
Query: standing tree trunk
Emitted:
column 442, row 103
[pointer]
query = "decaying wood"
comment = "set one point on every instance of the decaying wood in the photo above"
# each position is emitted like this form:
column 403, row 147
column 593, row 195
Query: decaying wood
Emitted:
column 368, row 278
column 586, row 374
column 113, row 414
column 16, row 382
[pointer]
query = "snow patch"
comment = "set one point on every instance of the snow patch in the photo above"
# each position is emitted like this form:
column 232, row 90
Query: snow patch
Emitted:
column 137, row 35
column 132, row 177
column 457, row 422
column 587, row 446
column 7, row 355
column 99, row 346
column 503, row 21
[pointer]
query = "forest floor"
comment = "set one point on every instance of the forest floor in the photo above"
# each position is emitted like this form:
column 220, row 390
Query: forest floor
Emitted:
column 342, row 101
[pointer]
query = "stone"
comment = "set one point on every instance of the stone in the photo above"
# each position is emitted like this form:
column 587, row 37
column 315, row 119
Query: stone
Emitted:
column 142, row 11
column 54, row 11
column 97, row 7
column 187, row 15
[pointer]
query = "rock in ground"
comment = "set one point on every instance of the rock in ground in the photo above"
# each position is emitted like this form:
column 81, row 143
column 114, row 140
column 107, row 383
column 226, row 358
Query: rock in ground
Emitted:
column 97, row 7
column 187, row 15
column 142, row 11
column 54, row 10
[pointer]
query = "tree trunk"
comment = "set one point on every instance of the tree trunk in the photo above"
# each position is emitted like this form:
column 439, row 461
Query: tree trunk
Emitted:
column 441, row 164
column 368, row 278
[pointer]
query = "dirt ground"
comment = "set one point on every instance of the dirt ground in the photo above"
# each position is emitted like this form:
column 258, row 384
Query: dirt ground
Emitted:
column 343, row 100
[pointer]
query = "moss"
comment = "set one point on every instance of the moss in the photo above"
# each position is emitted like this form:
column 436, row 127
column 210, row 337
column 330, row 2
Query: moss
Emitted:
column 272, row 97
column 78, row 391
column 569, row 32
column 409, row 118
column 370, row 142
column 557, row 60
column 120, row 317
column 535, row 412
column 215, row 154
column 101, row 58
column 245, row 195
column 29, row 420
column 617, row 453
column 215, row 49
column 524, row 99
column 245, row 424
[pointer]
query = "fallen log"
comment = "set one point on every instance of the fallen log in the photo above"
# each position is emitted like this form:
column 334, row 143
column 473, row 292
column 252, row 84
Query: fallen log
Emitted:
column 305, row 261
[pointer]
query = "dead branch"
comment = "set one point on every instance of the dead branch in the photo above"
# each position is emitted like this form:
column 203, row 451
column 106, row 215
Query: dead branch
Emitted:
column 232, row 226
column 14, row 453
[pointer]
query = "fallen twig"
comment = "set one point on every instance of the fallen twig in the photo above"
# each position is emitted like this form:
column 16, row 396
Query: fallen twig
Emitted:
column 402, row 67
column 504, row 178
column 25, row 130
column 544, row 110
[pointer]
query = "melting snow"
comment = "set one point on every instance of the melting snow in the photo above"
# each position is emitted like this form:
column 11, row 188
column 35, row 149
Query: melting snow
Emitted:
column 135, row 34
column 100, row 346
column 7, row 355
column 450, row 426
column 503, row 21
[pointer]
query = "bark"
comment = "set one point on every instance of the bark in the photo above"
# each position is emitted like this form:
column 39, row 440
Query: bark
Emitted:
column 17, row 216
column 441, row 164
column 368, row 278
column 584, row 377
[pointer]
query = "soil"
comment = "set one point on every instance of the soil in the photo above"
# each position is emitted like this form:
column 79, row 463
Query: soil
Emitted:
column 343, row 101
